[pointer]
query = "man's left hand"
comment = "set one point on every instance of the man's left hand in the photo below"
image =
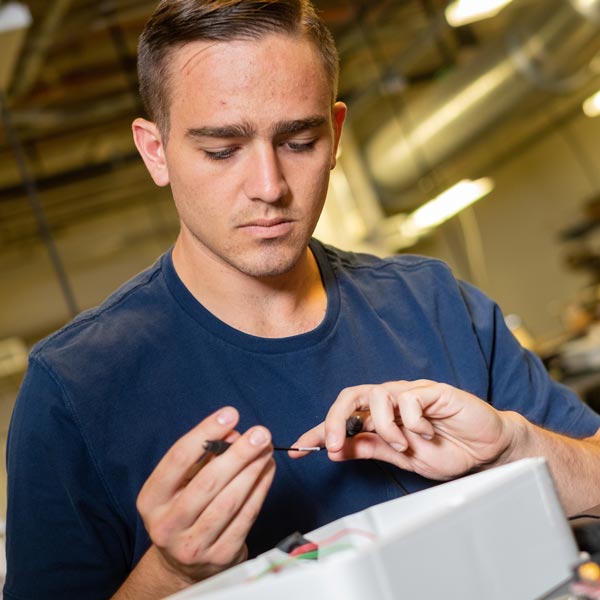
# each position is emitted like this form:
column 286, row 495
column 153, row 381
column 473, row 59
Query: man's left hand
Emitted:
column 433, row 429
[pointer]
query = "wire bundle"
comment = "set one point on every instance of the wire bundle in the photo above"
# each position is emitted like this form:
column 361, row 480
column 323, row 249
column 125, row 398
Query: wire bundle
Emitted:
column 299, row 548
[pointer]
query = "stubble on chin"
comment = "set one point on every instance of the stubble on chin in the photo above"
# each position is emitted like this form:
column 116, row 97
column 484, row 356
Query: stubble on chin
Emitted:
column 272, row 259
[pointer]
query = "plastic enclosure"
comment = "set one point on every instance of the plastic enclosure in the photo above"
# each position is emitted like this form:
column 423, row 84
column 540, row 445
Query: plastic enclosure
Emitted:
column 497, row 534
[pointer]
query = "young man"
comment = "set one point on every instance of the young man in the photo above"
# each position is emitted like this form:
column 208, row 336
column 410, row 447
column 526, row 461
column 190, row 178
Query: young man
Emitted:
column 249, row 324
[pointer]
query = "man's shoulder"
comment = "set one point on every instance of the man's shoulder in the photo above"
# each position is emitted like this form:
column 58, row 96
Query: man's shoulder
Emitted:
column 395, row 264
column 112, row 321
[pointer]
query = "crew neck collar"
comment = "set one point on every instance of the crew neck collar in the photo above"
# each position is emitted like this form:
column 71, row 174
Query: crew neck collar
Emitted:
column 230, row 335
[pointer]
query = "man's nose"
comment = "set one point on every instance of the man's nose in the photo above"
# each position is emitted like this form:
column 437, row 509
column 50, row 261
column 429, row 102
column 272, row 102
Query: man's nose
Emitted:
column 265, row 178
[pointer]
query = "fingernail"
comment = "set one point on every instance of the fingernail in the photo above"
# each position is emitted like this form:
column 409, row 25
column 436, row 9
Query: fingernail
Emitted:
column 427, row 436
column 398, row 447
column 227, row 416
column 258, row 438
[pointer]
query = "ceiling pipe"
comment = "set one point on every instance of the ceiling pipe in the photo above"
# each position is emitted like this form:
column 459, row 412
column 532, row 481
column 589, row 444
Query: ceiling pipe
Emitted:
column 34, row 61
column 551, row 51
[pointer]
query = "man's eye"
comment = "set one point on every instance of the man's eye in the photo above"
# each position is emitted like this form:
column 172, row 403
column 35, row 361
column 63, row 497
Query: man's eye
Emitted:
column 220, row 154
column 301, row 147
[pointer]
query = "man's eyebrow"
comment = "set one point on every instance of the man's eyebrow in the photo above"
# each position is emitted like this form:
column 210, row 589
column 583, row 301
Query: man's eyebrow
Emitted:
column 226, row 131
column 298, row 125
column 244, row 130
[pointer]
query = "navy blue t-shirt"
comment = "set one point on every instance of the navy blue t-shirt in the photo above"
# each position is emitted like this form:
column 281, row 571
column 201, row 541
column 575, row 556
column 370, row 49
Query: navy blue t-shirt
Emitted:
column 106, row 396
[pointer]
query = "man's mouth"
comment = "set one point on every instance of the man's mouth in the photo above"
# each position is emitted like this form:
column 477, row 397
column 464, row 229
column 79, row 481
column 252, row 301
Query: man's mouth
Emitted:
column 268, row 228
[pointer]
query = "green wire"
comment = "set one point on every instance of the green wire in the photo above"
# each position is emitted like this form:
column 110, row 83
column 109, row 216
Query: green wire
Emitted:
column 306, row 556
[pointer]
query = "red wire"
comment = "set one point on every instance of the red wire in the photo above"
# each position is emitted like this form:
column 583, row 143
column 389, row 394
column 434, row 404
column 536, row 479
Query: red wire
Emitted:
column 309, row 547
column 312, row 547
column 347, row 531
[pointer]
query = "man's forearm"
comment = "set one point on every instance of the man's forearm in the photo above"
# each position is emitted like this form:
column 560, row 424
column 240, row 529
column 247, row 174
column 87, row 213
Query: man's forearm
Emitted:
column 574, row 463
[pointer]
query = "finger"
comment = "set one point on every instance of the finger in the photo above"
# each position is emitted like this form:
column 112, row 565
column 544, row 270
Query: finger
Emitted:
column 372, row 446
column 350, row 400
column 313, row 438
column 366, row 446
column 250, row 509
column 383, row 417
column 224, row 526
column 435, row 399
column 411, row 406
column 170, row 473
column 193, row 500
column 403, row 385
column 206, row 458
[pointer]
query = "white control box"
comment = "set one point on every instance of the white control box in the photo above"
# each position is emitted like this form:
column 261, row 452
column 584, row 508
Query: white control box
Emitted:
column 500, row 535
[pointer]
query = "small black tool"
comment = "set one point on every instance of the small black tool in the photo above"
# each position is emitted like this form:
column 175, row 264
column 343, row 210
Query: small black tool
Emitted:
column 354, row 425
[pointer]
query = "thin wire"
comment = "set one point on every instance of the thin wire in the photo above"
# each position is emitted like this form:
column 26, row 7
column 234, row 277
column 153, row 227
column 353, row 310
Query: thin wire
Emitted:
column 324, row 548
column 219, row 446
column 347, row 531
column 313, row 554
column 391, row 477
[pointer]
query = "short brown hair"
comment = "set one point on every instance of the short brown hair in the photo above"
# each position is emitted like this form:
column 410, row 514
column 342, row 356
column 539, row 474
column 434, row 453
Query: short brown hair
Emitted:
column 177, row 22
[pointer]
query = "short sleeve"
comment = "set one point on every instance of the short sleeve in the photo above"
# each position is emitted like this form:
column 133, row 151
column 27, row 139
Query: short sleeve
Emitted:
column 65, row 538
column 519, row 380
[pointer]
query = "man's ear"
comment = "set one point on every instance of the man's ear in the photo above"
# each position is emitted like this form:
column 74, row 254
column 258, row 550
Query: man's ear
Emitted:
column 339, row 116
column 149, row 143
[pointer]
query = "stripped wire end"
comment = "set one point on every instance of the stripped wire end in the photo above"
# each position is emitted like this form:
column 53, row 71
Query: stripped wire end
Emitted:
column 300, row 449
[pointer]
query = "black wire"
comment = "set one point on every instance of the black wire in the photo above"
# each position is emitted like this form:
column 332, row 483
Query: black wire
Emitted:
column 583, row 516
column 389, row 475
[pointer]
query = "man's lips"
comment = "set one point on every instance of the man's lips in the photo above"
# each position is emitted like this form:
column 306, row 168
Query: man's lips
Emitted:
column 266, row 222
column 268, row 228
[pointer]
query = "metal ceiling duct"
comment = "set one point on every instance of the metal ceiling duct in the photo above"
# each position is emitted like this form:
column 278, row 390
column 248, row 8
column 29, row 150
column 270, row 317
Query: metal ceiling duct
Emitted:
column 551, row 50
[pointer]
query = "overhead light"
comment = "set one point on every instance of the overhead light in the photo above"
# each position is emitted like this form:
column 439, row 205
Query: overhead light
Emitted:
column 462, row 12
column 15, row 18
column 445, row 206
column 591, row 107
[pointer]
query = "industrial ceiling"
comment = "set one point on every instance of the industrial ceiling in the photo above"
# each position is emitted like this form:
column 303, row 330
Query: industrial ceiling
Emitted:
column 428, row 103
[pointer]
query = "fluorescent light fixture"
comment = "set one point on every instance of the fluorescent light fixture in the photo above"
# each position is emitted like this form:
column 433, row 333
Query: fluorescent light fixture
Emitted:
column 14, row 15
column 462, row 12
column 588, row 7
column 445, row 206
column 15, row 18
column 591, row 107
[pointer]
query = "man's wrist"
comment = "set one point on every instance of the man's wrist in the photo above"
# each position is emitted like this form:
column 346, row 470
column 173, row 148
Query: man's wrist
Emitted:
column 517, row 438
column 152, row 578
column 180, row 579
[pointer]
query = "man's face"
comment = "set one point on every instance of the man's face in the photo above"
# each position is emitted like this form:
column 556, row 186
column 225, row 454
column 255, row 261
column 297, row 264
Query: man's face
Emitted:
column 252, row 140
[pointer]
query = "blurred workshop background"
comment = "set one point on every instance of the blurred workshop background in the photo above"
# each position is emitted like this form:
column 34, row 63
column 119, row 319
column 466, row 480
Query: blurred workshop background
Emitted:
column 471, row 137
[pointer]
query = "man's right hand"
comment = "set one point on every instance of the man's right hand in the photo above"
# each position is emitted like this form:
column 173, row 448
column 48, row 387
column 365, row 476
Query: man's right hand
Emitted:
column 198, row 516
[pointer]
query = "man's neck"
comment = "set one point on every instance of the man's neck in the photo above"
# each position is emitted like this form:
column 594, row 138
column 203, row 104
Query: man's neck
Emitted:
column 273, row 307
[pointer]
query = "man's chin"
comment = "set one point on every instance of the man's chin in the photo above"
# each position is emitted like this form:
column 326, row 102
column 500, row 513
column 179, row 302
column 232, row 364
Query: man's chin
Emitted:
column 271, row 264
